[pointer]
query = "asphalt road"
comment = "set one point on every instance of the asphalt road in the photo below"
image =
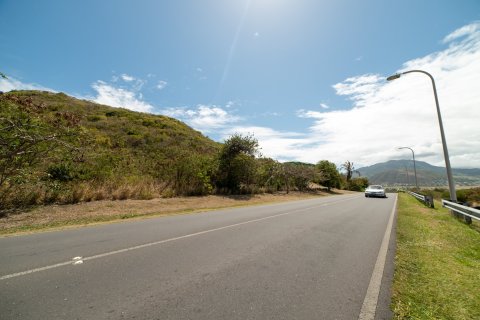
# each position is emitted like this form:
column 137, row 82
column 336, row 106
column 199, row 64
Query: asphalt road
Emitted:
column 310, row 259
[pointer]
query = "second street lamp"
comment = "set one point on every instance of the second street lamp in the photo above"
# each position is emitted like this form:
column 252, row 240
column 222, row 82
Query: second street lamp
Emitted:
column 408, row 180
column 451, row 183
column 414, row 167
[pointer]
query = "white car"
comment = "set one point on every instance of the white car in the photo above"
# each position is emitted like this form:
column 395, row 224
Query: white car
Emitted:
column 375, row 191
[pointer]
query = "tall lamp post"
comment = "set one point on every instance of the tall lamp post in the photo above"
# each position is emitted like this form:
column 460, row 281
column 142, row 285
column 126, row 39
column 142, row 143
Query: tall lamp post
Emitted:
column 414, row 167
column 408, row 180
column 451, row 183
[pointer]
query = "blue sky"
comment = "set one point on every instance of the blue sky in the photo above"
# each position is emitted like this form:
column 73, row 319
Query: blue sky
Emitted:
column 306, row 77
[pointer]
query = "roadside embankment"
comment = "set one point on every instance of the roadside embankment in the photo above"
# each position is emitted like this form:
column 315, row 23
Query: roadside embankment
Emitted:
column 61, row 216
column 436, row 264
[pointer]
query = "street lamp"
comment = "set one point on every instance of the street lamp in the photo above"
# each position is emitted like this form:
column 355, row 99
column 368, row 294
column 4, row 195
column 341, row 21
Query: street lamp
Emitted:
column 414, row 167
column 408, row 180
column 451, row 183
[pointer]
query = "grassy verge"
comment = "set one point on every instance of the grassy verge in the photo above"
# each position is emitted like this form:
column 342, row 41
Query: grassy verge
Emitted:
column 437, row 264
column 61, row 216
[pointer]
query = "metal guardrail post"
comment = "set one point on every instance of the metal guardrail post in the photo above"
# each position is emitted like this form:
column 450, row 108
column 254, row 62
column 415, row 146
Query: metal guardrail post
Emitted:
column 428, row 200
column 460, row 210
column 468, row 220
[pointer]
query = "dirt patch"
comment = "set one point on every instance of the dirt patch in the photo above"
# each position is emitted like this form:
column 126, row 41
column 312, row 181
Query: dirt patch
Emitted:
column 56, row 216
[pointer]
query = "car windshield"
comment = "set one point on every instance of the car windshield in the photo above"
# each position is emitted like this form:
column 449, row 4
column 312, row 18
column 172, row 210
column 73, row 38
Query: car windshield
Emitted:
column 376, row 187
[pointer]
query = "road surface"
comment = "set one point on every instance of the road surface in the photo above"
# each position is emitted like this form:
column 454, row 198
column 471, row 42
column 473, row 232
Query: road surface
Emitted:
column 309, row 259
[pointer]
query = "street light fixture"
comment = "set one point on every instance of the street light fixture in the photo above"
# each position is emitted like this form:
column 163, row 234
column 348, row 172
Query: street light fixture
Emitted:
column 451, row 183
column 414, row 167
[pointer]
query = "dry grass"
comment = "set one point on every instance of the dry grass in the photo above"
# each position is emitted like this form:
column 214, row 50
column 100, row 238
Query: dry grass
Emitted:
column 56, row 216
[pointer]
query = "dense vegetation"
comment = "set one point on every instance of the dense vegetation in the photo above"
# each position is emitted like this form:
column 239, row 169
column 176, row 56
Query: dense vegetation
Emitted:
column 58, row 149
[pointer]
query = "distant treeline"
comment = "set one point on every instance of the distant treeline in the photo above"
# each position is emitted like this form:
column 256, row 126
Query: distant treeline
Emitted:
column 57, row 149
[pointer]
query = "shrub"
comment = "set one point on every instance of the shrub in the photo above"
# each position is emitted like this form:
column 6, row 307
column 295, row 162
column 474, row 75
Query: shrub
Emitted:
column 60, row 172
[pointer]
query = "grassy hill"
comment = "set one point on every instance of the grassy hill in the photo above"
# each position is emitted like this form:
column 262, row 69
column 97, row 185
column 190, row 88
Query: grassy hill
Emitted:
column 394, row 172
column 56, row 148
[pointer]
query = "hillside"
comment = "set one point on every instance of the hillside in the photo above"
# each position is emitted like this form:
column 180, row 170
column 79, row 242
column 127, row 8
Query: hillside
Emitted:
column 394, row 172
column 50, row 139
column 60, row 150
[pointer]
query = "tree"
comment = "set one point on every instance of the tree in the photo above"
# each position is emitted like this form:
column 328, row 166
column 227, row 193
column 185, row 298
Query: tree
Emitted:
column 358, row 184
column 298, row 175
column 25, row 139
column 269, row 174
column 349, row 168
column 328, row 174
column 237, row 164
column 193, row 174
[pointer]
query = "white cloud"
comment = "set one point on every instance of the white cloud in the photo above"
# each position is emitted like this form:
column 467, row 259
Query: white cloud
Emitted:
column 120, row 97
column 205, row 118
column 324, row 106
column 359, row 88
column 105, row 94
column 468, row 30
column 161, row 84
column 131, row 82
column 127, row 78
column 281, row 145
column 14, row 84
column 386, row 115
column 403, row 112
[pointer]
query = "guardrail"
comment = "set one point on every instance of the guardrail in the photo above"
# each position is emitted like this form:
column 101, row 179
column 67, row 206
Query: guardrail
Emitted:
column 428, row 200
column 467, row 212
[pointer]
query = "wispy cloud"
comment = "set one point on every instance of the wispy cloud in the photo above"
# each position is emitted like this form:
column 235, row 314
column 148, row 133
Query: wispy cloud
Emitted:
column 106, row 93
column 119, row 97
column 14, row 84
column 124, row 91
column 161, row 84
column 127, row 78
column 360, row 88
column 205, row 118
column 470, row 30
column 128, row 82
column 324, row 106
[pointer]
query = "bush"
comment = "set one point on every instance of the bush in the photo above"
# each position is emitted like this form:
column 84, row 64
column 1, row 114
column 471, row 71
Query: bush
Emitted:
column 60, row 172
column 357, row 184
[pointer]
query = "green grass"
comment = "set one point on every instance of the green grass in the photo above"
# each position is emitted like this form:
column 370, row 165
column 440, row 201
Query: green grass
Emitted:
column 437, row 264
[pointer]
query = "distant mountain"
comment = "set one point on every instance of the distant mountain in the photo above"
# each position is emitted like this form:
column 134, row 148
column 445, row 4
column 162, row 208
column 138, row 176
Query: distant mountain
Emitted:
column 401, row 172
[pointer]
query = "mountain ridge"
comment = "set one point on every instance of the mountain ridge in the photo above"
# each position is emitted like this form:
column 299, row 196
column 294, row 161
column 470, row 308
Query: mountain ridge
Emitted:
column 401, row 172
